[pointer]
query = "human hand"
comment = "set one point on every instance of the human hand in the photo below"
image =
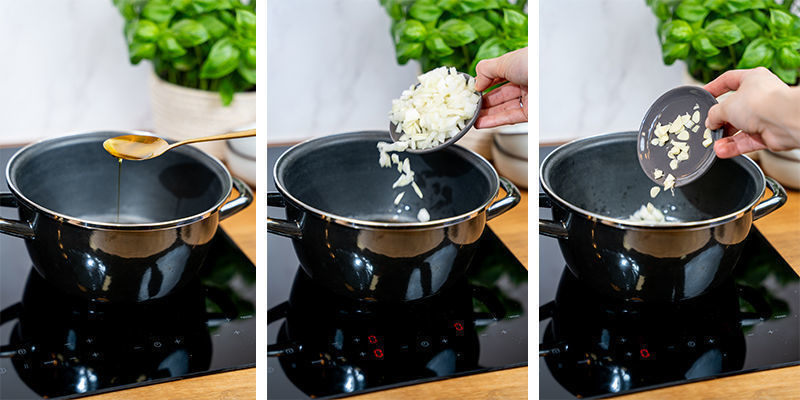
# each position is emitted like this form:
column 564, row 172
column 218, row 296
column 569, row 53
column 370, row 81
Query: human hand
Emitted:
column 764, row 108
column 507, row 104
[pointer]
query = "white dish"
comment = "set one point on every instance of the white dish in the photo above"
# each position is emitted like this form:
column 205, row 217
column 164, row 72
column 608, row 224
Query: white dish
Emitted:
column 785, row 170
column 515, row 144
column 509, row 166
column 241, row 159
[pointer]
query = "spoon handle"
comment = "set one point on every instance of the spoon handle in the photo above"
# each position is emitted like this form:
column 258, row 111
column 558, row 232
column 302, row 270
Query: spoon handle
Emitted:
column 231, row 135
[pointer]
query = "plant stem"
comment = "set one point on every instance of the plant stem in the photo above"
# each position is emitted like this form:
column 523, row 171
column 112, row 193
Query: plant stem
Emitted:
column 733, row 56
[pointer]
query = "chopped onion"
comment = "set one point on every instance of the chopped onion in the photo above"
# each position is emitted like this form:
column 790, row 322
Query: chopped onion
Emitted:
column 398, row 198
column 423, row 215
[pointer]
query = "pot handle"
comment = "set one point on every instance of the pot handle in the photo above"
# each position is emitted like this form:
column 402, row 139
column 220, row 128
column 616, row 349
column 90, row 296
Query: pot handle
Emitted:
column 508, row 202
column 773, row 203
column 282, row 227
column 548, row 227
column 11, row 227
column 240, row 202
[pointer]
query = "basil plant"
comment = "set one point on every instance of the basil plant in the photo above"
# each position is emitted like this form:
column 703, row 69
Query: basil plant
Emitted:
column 455, row 33
column 201, row 44
column 713, row 36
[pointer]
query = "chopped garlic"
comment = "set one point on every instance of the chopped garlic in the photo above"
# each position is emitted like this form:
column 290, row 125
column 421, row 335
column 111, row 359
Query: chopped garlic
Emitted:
column 648, row 213
column 683, row 156
column 696, row 106
column 685, row 118
column 658, row 173
column 416, row 189
column 676, row 125
column 654, row 191
column 707, row 134
column 654, row 142
column 707, row 142
column 399, row 196
column 423, row 215
column 669, row 183
column 696, row 117
column 695, row 128
column 673, row 164
column 684, row 135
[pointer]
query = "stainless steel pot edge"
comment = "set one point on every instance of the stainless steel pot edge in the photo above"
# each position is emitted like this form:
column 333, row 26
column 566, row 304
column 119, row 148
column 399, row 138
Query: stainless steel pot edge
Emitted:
column 107, row 225
column 363, row 224
column 625, row 224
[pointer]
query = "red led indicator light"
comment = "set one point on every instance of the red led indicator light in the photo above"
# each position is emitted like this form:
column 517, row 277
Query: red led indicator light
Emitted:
column 378, row 353
column 372, row 339
column 459, row 326
column 644, row 353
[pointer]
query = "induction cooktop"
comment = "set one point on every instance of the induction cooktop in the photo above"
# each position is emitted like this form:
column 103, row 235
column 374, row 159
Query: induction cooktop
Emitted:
column 594, row 347
column 323, row 346
column 56, row 346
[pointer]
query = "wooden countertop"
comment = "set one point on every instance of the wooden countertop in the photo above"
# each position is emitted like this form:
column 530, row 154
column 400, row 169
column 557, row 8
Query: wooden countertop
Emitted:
column 235, row 385
column 782, row 229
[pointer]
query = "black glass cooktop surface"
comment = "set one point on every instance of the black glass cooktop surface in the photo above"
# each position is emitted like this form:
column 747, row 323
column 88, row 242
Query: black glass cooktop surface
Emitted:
column 333, row 347
column 53, row 345
column 596, row 347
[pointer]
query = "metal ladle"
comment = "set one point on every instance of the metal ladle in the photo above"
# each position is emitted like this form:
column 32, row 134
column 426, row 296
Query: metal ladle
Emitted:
column 144, row 147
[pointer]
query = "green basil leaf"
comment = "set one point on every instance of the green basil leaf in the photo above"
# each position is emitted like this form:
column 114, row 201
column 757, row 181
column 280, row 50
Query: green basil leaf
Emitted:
column 757, row 53
column 735, row 6
column 126, row 8
column 185, row 63
column 468, row 6
column 792, row 42
column 412, row 31
column 457, row 32
column 481, row 26
column 515, row 43
column 723, row 33
column 788, row 58
column 249, row 74
column 246, row 23
column 223, row 58
column 662, row 11
column 703, row 45
column 749, row 28
column 215, row 28
column 130, row 30
column 781, row 20
column 189, row 32
column 456, row 60
column 676, row 31
column 170, row 47
column 494, row 17
column 158, row 11
column 691, row 10
column 204, row 6
column 395, row 9
column 407, row 51
column 714, row 5
column 761, row 17
column 448, row 5
column 720, row 62
column 673, row 51
column 788, row 75
column 491, row 48
column 146, row 31
column 515, row 22
column 180, row 5
column 139, row 51
column 425, row 10
column 250, row 56
column 226, row 90
column 437, row 46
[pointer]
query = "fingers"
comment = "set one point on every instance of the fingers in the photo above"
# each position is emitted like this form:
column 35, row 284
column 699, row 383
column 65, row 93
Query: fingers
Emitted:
column 504, row 114
column 726, row 82
column 488, row 74
column 733, row 146
column 501, row 95
column 718, row 115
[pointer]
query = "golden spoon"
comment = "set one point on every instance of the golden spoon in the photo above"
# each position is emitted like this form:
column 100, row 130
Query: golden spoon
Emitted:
column 144, row 147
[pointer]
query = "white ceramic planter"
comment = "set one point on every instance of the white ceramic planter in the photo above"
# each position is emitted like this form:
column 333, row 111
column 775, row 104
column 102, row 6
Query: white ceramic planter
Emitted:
column 182, row 113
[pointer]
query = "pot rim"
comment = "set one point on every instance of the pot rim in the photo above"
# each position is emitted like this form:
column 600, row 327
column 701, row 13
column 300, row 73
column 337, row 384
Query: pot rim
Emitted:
column 113, row 226
column 640, row 225
column 360, row 223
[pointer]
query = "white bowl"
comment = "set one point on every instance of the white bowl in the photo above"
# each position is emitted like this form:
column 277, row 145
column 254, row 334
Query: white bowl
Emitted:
column 512, row 167
column 241, row 159
column 785, row 170
column 515, row 144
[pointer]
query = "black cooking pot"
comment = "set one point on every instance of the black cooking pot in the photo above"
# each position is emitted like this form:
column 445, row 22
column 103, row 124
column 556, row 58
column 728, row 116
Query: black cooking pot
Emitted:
column 66, row 192
column 350, row 236
column 63, row 345
column 594, row 184
column 596, row 345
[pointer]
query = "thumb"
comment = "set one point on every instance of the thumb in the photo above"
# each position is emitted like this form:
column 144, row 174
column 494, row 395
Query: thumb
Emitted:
column 489, row 72
column 717, row 116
